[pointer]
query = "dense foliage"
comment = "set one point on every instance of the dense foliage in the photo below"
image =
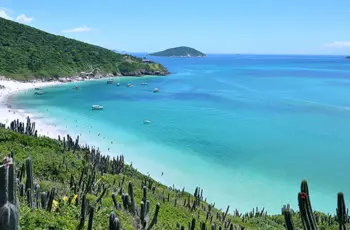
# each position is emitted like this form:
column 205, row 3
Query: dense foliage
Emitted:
column 81, row 180
column 182, row 51
column 27, row 53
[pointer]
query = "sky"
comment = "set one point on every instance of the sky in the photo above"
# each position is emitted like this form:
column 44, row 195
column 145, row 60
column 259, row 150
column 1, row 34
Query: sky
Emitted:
column 220, row 26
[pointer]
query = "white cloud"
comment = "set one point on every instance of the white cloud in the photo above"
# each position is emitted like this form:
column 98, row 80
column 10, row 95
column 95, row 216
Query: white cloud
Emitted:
column 3, row 14
column 24, row 19
column 339, row 44
column 77, row 30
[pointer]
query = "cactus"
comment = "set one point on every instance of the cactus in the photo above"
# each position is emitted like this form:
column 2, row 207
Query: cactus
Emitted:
column 155, row 217
column 82, row 212
column 192, row 225
column 43, row 199
column 12, row 182
column 115, row 201
column 132, row 199
column 288, row 217
column 341, row 212
column 8, row 204
column 29, row 181
column 30, row 198
column 113, row 222
column 91, row 217
column 51, row 198
column 37, row 196
column 306, row 214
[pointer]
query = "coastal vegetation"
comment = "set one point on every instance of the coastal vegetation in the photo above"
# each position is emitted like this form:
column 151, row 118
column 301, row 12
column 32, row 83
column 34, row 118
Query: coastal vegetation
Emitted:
column 27, row 53
column 182, row 51
column 61, row 184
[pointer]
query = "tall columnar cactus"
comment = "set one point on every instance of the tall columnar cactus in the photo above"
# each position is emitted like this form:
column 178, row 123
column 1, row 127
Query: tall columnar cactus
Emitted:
column 113, row 222
column 144, row 191
column 43, row 199
column 155, row 217
column 115, row 201
column 30, row 198
column 341, row 212
column 8, row 204
column 91, row 217
column 288, row 217
column 306, row 214
column 82, row 212
column 132, row 199
column 29, row 170
column 192, row 225
column 51, row 198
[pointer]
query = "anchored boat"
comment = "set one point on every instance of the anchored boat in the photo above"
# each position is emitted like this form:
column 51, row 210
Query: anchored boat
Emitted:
column 75, row 87
column 156, row 90
column 97, row 107
column 110, row 81
column 146, row 121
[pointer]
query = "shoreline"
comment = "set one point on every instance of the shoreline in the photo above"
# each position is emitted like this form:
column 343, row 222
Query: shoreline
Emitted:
column 11, row 87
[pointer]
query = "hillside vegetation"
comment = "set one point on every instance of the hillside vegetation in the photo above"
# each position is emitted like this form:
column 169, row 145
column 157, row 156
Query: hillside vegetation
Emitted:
column 58, row 184
column 27, row 53
column 182, row 51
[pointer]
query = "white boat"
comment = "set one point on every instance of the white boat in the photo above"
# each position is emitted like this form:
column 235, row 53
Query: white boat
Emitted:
column 156, row 90
column 146, row 121
column 118, row 84
column 143, row 83
column 97, row 107
column 75, row 87
column 129, row 84
column 110, row 81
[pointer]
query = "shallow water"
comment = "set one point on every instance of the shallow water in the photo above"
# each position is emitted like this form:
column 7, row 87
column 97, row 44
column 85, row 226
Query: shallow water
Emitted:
column 246, row 128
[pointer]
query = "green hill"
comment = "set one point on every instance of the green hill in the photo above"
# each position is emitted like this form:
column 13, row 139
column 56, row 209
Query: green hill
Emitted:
column 27, row 53
column 182, row 51
column 58, row 184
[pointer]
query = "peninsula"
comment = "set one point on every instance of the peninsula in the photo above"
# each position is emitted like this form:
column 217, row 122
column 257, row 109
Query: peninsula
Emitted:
column 27, row 53
column 182, row 51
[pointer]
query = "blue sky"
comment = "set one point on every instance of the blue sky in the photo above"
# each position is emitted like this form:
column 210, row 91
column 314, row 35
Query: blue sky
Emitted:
column 221, row 26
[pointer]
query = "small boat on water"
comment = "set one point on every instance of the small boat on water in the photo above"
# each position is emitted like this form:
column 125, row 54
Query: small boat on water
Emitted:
column 110, row 81
column 118, row 84
column 156, row 90
column 129, row 85
column 38, row 93
column 38, row 88
column 146, row 121
column 143, row 83
column 75, row 87
column 97, row 107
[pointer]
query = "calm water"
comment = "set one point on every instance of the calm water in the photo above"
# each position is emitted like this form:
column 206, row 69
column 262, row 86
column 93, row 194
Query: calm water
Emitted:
column 247, row 129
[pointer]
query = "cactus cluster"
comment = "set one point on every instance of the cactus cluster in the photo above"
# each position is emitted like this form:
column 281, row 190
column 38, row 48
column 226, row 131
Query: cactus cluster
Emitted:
column 310, row 219
column 20, row 127
column 8, row 201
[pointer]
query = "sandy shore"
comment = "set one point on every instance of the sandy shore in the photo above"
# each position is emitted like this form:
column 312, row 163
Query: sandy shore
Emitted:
column 8, row 113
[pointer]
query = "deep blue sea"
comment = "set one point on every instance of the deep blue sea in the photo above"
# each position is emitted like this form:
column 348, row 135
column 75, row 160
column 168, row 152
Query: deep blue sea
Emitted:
column 245, row 128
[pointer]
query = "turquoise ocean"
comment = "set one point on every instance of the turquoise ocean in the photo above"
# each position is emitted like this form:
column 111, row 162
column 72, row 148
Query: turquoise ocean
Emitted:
column 245, row 128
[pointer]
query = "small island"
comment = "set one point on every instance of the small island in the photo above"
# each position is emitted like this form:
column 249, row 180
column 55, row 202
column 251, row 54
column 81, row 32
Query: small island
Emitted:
column 182, row 51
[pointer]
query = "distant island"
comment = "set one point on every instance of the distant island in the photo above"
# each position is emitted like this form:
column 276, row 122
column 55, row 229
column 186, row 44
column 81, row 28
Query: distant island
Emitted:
column 182, row 51
column 27, row 54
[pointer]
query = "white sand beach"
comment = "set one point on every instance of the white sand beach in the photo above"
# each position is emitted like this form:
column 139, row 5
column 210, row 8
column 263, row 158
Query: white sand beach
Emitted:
column 8, row 113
